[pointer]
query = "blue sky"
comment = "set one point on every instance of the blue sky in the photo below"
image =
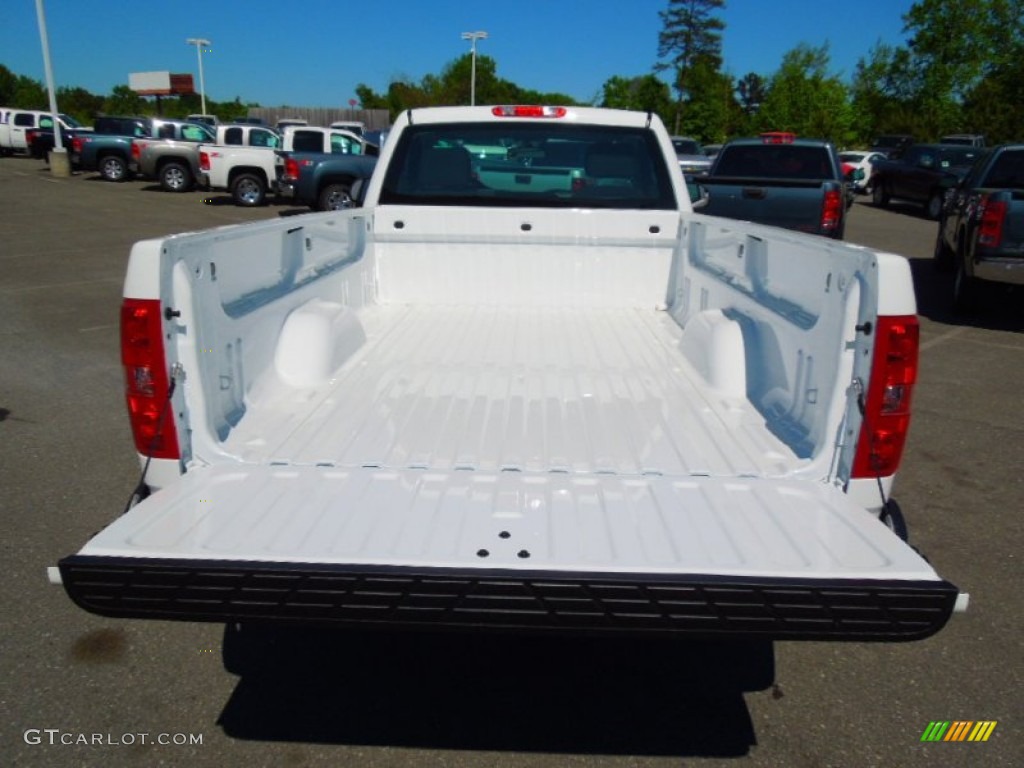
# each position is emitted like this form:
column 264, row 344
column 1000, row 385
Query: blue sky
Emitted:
column 314, row 53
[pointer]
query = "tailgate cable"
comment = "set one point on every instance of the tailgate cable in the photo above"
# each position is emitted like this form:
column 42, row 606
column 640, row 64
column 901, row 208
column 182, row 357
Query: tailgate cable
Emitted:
column 891, row 514
column 862, row 407
column 141, row 490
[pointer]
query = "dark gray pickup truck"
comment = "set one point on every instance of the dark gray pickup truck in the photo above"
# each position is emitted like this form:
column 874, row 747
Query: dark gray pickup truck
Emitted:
column 108, row 149
column 787, row 182
column 924, row 173
column 981, row 226
column 323, row 181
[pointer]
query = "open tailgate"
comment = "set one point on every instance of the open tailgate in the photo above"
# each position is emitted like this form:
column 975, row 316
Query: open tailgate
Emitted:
column 778, row 558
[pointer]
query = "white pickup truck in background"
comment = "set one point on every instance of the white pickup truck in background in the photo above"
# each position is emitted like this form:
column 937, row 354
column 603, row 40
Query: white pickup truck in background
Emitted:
column 15, row 125
column 249, row 172
column 518, row 407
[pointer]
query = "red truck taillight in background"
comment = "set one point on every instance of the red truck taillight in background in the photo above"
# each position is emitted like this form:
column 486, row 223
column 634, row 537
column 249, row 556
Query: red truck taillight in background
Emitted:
column 887, row 402
column 291, row 170
column 993, row 214
column 778, row 137
column 204, row 161
column 136, row 151
column 147, row 383
column 76, row 144
column 832, row 210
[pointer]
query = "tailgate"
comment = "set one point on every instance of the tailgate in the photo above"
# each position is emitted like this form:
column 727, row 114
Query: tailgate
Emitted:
column 782, row 203
column 552, row 551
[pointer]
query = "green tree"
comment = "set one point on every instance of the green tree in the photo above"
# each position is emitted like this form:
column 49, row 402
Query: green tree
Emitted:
column 751, row 90
column 959, row 54
column 229, row 111
column 405, row 95
column 8, row 84
column 29, row 94
column 956, row 41
column 884, row 93
column 710, row 110
column 690, row 33
column 369, row 98
column 452, row 87
column 804, row 98
column 124, row 101
column 79, row 103
column 995, row 106
column 645, row 93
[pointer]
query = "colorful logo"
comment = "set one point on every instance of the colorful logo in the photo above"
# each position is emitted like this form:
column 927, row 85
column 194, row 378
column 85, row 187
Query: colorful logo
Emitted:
column 959, row 730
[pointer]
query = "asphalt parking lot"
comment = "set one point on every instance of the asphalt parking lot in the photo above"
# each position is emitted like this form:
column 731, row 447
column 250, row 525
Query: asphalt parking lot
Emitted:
column 83, row 690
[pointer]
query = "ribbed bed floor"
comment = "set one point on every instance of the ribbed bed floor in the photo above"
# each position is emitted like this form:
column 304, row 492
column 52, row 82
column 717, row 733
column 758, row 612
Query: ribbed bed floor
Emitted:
column 534, row 389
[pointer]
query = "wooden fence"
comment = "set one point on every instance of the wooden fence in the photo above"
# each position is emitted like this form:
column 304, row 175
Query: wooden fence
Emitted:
column 373, row 119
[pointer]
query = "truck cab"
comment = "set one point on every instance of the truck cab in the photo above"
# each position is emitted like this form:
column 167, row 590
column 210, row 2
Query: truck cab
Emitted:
column 245, row 135
column 15, row 125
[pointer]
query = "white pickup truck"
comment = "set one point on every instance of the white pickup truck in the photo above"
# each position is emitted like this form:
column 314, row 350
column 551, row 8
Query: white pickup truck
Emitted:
column 250, row 172
column 15, row 125
column 588, row 409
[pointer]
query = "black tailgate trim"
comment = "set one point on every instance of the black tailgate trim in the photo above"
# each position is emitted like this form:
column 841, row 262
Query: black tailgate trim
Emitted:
column 568, row 602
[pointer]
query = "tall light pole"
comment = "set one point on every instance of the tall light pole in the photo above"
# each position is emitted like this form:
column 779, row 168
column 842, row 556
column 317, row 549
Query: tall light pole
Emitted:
column 59, row 161
column 200, row 43
column 473, row 37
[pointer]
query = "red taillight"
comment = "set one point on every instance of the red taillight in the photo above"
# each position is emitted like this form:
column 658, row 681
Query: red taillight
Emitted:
column 291, row 169
column 136, row 151
column 147, row 387
column 777, row 137
column 887, row 405
column 831, row 210
column 993, row 214
column 204, row 161
column 528, row 110
column 76, row 145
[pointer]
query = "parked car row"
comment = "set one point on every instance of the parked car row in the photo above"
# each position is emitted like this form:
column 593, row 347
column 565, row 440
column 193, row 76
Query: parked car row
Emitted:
column 311, row 165
column 975, row 193
column 301, row 163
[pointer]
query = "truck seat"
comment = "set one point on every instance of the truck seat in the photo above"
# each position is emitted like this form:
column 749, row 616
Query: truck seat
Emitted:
column 444, row 169
column 611, row 171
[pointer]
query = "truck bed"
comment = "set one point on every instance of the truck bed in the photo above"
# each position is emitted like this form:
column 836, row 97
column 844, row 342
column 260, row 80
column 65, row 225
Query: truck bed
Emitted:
column 406, row 492
column 511, row 389
column 545, row 420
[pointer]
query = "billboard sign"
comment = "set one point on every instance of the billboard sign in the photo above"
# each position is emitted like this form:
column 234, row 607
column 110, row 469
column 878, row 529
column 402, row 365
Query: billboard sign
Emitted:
column 160, row 84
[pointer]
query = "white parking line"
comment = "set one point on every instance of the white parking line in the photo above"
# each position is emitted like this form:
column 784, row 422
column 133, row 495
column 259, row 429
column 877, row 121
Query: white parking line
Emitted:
column 92, row 328
column 943, row 338
column 24, row 288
